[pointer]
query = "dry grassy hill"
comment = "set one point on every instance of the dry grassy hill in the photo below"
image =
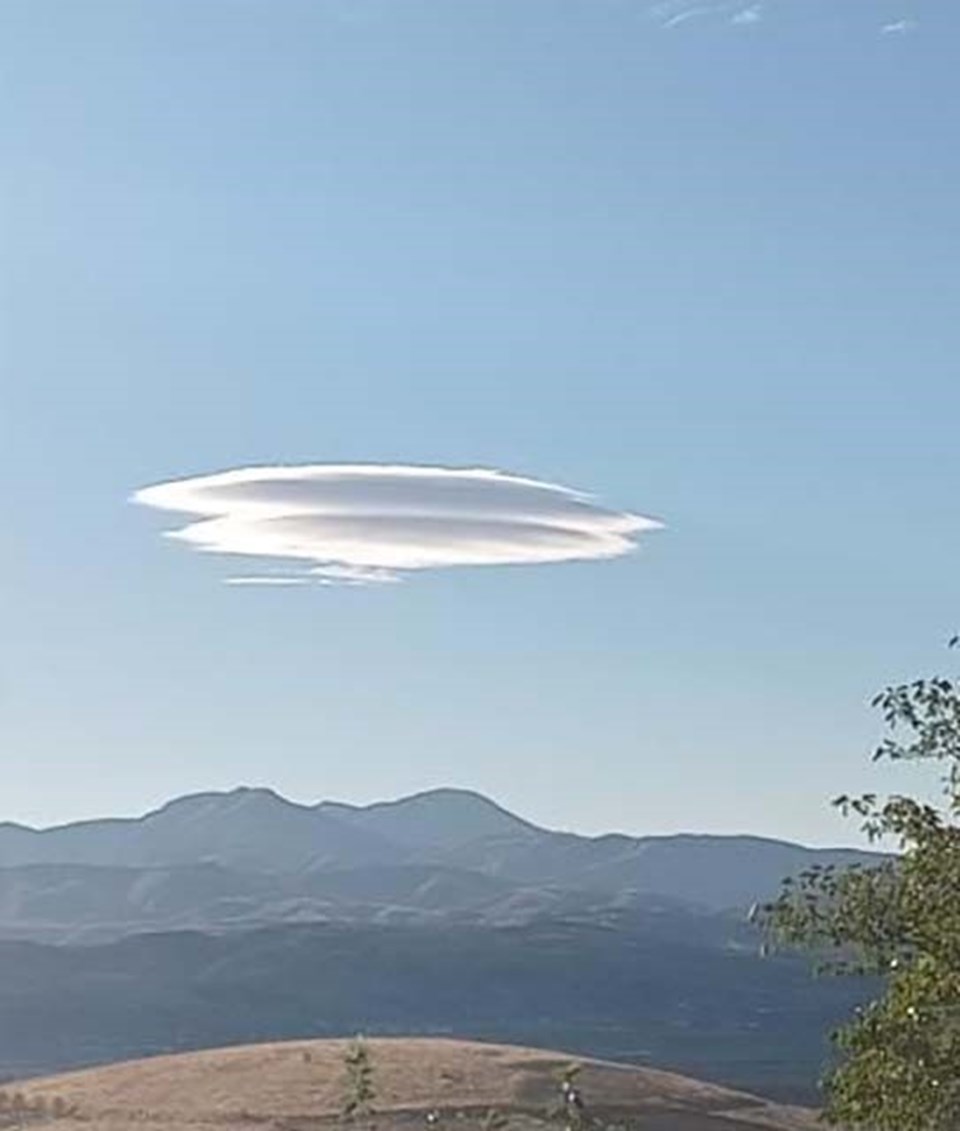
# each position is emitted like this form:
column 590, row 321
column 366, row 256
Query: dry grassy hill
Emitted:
column 299, row 1086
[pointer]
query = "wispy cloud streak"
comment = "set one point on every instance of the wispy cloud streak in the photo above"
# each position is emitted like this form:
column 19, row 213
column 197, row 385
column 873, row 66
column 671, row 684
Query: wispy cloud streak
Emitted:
column 899, row 27
column 673, row 13
column 744, row 13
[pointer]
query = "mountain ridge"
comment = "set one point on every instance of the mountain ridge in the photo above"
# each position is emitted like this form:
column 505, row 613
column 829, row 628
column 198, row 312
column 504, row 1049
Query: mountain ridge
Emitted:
column 438, row 793
column 249, row 857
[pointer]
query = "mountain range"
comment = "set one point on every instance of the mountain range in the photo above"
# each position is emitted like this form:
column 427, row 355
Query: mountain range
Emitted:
column 223, row 918
column 250, row 858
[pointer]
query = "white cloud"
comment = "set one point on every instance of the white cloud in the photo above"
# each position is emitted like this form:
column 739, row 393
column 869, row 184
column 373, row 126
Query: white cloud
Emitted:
column 748, row 15
column 358, row 524
column 681, row 17
column 266, row 580
column 673, row 13
column 899, row 27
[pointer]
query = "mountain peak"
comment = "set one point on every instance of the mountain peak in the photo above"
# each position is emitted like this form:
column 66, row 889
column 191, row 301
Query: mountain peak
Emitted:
column 243, row 798
column 449, row 796
column 447, row 817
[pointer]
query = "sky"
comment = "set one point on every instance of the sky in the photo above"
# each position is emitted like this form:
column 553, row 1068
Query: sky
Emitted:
column 570, row 385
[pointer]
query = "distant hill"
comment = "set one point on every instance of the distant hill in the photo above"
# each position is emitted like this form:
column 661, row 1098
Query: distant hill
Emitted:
column 249, row 857
column 300, row 1085
column 668, row 987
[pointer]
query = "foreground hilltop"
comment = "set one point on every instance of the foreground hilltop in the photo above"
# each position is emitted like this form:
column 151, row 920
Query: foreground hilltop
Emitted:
column 299, row 1086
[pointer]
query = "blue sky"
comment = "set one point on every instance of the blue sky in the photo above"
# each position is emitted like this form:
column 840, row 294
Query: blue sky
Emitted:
column 705, row 268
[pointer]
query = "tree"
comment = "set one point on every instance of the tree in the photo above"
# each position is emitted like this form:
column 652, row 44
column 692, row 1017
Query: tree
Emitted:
column 359, row 1091
column 570, row 1108
column 900, row 1063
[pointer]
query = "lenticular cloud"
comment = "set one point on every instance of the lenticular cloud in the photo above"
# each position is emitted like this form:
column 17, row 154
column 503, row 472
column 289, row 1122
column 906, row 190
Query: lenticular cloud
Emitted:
column 364, row 523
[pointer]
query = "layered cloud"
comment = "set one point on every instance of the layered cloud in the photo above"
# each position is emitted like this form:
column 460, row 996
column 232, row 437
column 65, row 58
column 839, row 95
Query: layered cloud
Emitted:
column 366, row 523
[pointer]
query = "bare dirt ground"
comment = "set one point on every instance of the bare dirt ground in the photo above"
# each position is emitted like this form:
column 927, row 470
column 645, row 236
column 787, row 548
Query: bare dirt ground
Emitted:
column 301, row 1085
